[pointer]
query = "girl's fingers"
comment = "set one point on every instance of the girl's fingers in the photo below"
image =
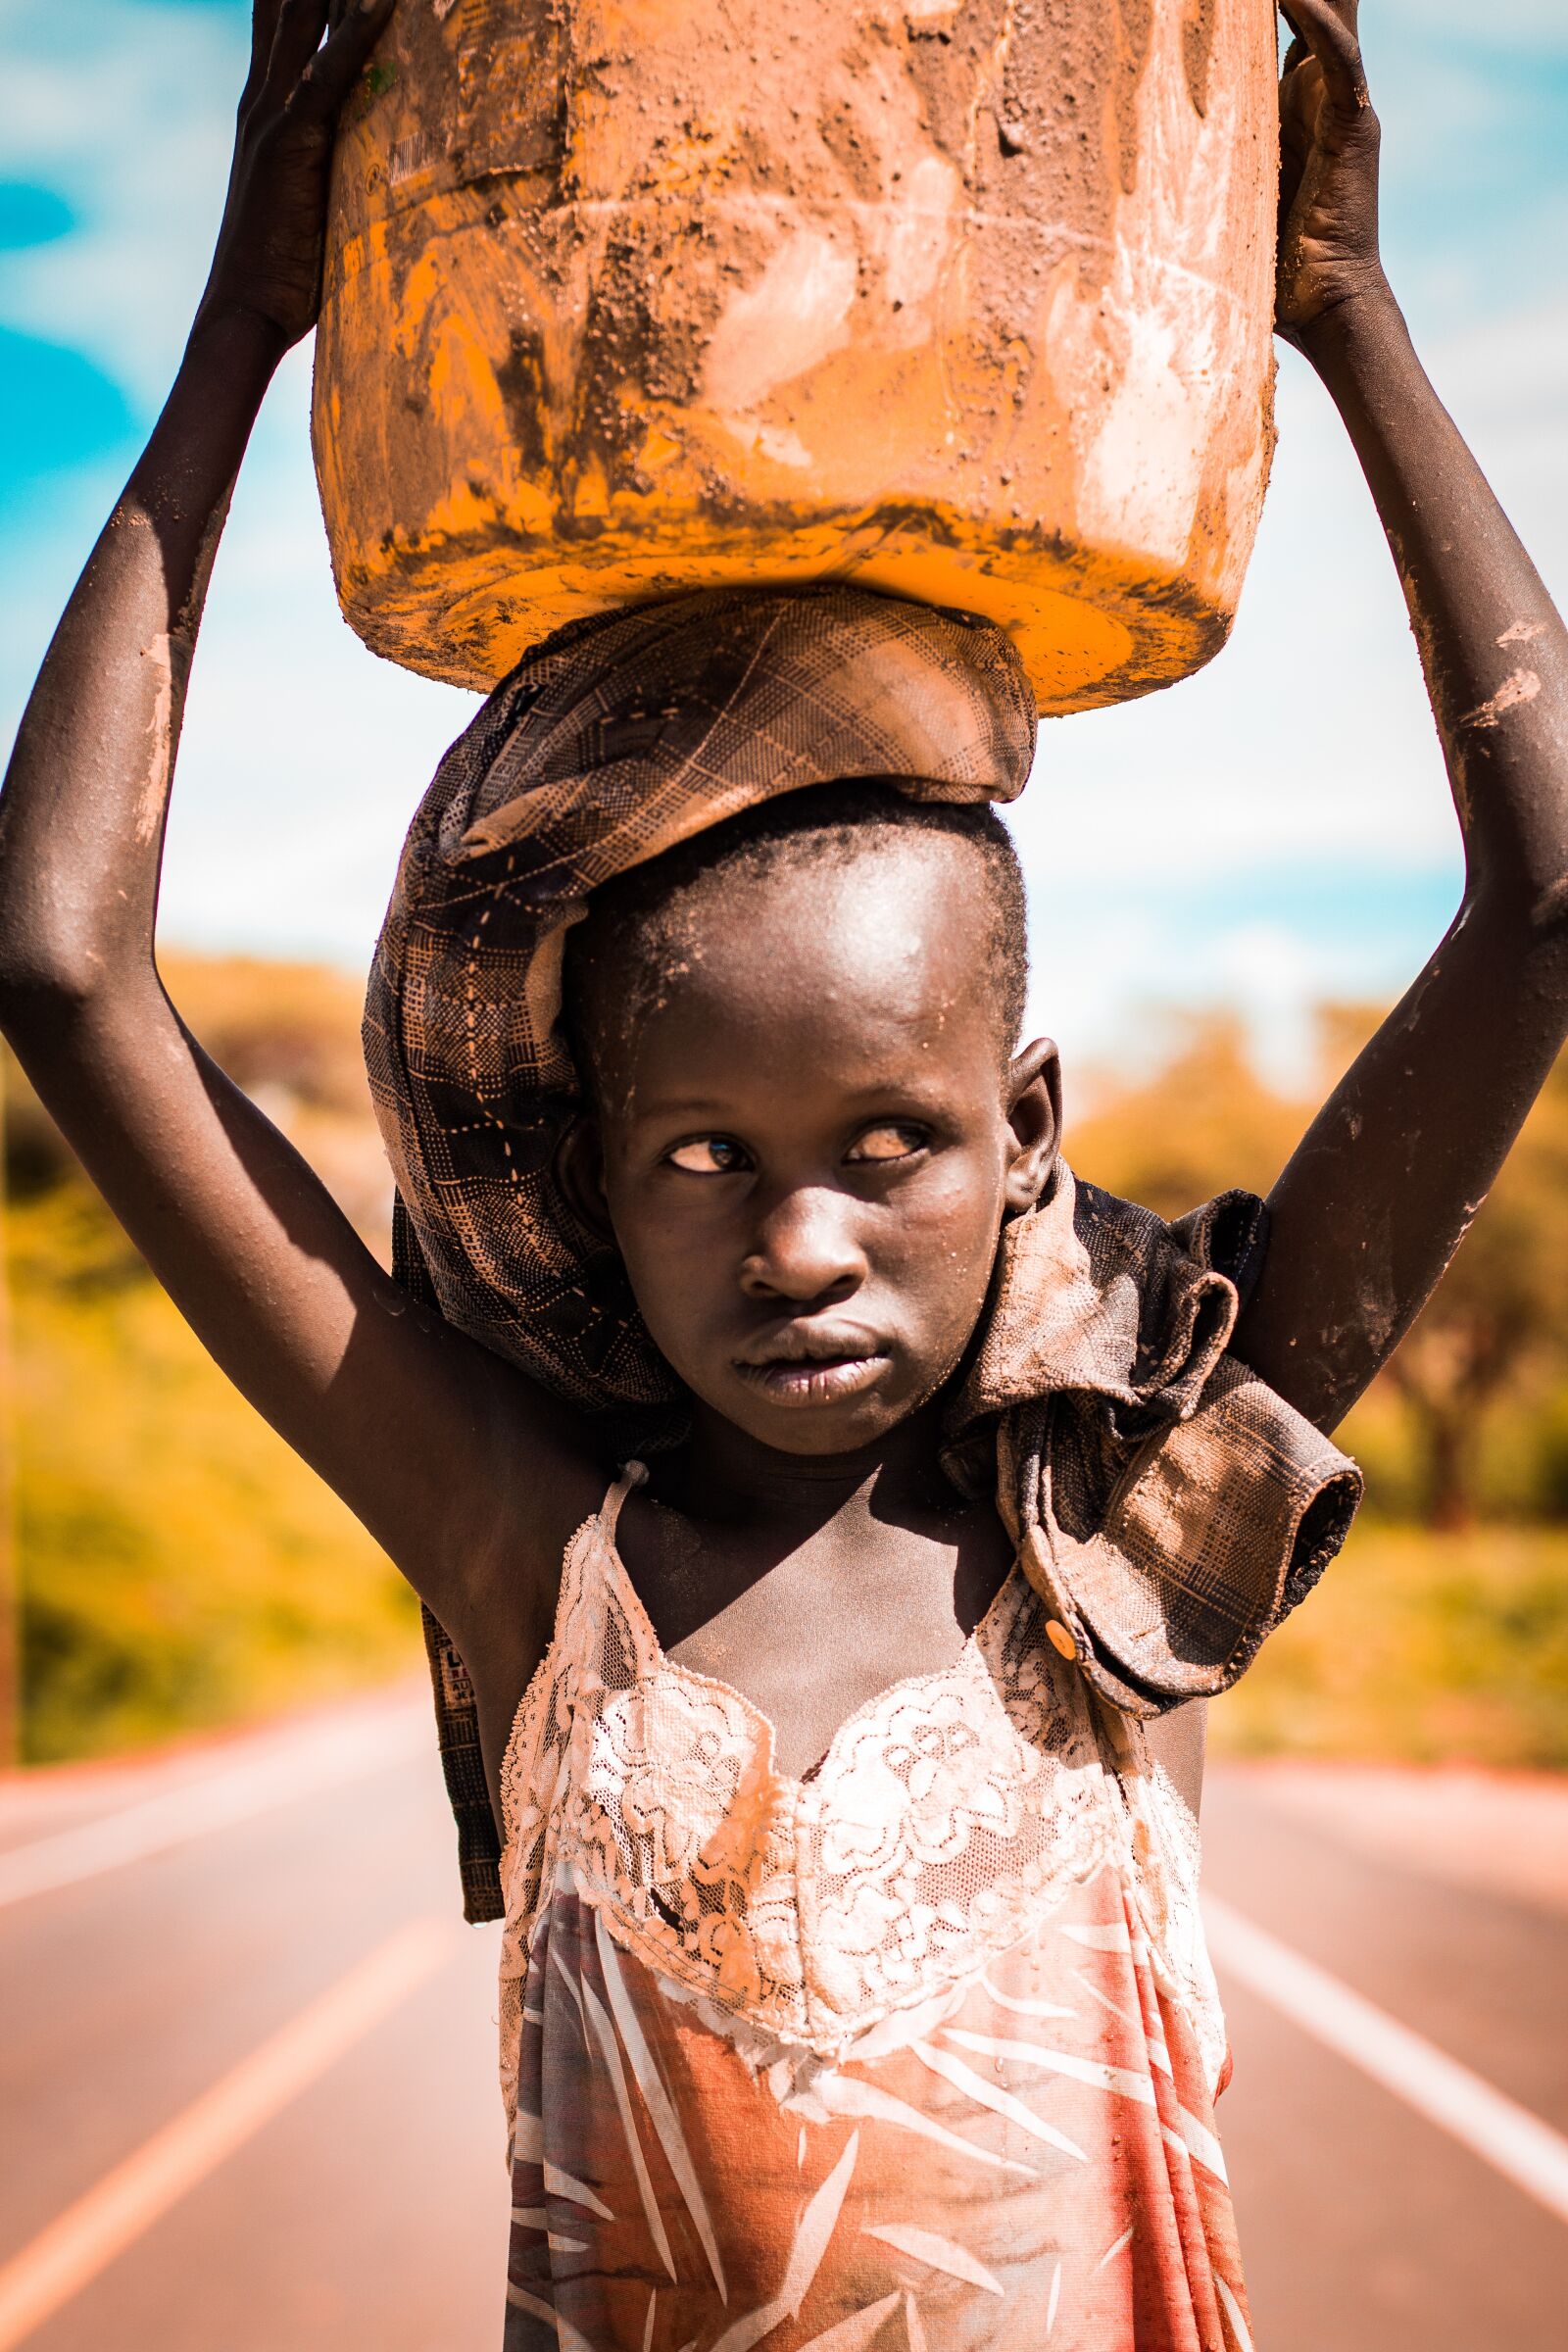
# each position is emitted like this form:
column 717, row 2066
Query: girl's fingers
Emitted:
column 1327, row 31
column 336, row 66
column 264, row 33
column 264, row 29
column 299, row 26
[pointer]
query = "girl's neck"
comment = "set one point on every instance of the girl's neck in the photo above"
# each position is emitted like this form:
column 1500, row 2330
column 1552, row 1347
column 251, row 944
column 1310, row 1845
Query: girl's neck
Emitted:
column 723, row 1474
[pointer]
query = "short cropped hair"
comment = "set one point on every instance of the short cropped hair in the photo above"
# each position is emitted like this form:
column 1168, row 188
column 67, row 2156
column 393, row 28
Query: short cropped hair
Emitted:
column 636, row 925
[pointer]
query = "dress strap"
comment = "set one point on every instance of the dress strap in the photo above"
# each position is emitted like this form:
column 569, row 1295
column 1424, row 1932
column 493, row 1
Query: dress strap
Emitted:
column 633, row 1474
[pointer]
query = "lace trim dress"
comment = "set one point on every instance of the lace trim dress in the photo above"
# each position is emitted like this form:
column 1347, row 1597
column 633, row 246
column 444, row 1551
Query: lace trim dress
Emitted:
column 920, row 2051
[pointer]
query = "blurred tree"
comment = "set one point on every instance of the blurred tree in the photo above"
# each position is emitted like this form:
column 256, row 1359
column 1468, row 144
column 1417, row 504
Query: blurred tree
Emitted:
column 289, row 1034
column 1496, row 1329
column 1499, row 1319
column 1197, row 1120
column 178, row 1566
column 282, row 1028
column 1200, row 1122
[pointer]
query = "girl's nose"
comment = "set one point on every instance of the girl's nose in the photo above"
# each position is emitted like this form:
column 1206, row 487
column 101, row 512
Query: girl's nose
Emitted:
column 806, row 1247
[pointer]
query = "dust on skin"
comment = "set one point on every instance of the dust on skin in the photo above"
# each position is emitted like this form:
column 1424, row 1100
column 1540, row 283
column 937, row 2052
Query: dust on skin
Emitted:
column 1428, row 640
column 168, row 658
column 160, row 658
column 1519, row 686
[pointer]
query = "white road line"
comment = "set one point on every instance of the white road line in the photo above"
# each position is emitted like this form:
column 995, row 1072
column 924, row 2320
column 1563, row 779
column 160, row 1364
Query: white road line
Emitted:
column 1494, row 2126
column 295, row 1765
column 87, row 2237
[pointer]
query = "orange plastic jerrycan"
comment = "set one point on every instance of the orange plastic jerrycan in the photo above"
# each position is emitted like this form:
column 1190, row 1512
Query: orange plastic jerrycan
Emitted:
column 969, row 302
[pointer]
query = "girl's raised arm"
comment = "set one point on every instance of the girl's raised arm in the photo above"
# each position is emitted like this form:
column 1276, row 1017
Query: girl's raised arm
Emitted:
column 1382, row 1188
column 427, row 1438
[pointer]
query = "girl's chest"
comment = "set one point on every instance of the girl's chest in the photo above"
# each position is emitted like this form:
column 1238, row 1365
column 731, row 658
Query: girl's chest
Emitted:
column 810, row 1637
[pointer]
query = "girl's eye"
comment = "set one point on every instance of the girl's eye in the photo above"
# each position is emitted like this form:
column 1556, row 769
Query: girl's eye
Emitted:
column 707, row 1156
column 892, row 1142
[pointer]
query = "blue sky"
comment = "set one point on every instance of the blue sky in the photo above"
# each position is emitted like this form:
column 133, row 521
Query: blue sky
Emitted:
column 1274, row 831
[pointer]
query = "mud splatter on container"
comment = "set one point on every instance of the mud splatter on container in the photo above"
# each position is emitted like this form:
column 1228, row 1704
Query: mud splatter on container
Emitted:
column 968, row 302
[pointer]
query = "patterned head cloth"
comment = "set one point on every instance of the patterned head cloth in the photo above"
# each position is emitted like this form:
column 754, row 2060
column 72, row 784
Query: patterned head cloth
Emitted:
column 1169, row 1504
column 613, row 740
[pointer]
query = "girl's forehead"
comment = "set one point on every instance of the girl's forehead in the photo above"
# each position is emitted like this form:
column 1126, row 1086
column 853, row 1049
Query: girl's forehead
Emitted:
column 801, row 972
column 891, row 896
column 866, row 940
column 900, row 995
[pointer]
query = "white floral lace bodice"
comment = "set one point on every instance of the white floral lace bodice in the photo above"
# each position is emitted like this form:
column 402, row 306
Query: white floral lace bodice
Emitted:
column 950, row 1816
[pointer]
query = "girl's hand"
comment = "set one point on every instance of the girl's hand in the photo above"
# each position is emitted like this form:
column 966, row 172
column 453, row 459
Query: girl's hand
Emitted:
column 1328, row 229
column 268, row 263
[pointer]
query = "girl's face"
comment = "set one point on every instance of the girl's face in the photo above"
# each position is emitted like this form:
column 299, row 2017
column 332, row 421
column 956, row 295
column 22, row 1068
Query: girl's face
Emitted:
column 807, row 1149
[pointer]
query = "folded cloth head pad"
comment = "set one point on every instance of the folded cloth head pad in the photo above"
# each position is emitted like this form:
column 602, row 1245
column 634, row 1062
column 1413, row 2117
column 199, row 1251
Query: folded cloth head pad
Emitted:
column 1168, row 1505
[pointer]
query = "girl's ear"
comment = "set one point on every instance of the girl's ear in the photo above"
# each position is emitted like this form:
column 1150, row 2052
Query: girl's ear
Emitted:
column 580, row 1174
column 1034, row 1114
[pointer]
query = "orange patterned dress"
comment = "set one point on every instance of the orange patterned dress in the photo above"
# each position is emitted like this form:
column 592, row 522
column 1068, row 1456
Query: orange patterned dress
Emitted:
column 920, row 2051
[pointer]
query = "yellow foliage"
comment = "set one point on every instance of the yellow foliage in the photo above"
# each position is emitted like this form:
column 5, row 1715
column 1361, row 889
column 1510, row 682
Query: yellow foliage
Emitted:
column 1424, row 1647
column 1200, row 1122
column 179, row 1566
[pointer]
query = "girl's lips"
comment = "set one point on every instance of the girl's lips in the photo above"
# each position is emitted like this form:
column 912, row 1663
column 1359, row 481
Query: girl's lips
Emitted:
column 822, row 1380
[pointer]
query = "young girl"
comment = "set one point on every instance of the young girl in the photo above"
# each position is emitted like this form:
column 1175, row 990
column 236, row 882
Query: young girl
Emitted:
column 854, row 1990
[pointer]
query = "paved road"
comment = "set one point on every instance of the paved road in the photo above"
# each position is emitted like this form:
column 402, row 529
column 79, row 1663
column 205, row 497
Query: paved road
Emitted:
column 1364, row 2228
column 247, row 2088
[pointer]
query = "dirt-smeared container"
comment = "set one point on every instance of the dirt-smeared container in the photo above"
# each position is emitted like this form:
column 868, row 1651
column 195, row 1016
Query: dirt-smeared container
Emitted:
column 970, row 303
